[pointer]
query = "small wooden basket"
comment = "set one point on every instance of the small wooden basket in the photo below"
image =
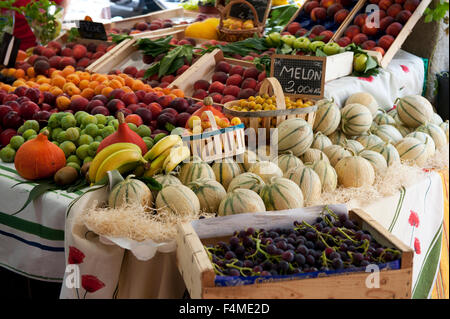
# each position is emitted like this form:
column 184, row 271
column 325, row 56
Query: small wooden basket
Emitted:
column 264, row 119
column 218, row 143
column 230, row 35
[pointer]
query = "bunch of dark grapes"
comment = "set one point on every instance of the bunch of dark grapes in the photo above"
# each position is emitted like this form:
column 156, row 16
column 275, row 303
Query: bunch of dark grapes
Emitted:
column 331, row 243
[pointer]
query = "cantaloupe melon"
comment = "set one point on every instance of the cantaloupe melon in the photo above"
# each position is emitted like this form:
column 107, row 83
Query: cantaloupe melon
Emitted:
column 404, row 130
column 414, row 110
column 313, row 155
column 266, row 170
column 337, row 138
column 335, row 153
column 246, row 180
column 328, row 117
column 247, row 159
column 412, row 150
column 177, row 199
column 295, row 135
column 165, row 180
column 327, row 175
column 369, row 140
column 241, row 201
column 436, row 133
column 209, row 193
column 444, row 127
column 130, row 191
column 377, row 160
column 194, row 170
column 388, row 151
column 365, row 99
column 281, row 193
column 383, row 118
column 355, row 171
column 356, row 119
column 288, row 161
column 426, row 139
column 308, row 180
column 436, row 119
column 320, row 141
column 352, row 145
column 225, row 170
column 388, row 133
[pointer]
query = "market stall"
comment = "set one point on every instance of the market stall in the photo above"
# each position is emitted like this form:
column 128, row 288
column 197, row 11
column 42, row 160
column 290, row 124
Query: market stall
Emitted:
column 125, row 144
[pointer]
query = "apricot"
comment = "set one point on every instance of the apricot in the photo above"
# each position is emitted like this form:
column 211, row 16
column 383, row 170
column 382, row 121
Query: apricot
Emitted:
column 87, row 93
column 360, row 38
column 326, row 3
column 379, row 49
column 318, row 13
column 369, row 30
column 62, row 102
column 293, row 27
column 385, row 42
column 310, row 5
column 352, row 31
column 360, row 19
column 335, row 7
column 384, row 4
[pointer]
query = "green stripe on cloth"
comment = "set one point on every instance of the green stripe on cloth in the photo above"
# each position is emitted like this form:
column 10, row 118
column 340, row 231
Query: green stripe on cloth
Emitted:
column 31, row 275
column 427, row 273
column 398, row 209
column 425, row 76
column 31, row 228
column 9, row 169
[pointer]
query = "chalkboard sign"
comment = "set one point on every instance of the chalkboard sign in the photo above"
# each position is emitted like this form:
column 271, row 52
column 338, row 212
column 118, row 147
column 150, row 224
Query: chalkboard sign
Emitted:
column 242, row 11
column 300, row 76
column 92, row 30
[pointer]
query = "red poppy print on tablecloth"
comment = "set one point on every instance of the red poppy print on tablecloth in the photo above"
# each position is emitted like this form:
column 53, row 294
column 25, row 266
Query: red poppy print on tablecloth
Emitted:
column 417, row 246
column 76, row 256
column 91, row 283
column 404, row 68
column 413, row 219
column 367, row 79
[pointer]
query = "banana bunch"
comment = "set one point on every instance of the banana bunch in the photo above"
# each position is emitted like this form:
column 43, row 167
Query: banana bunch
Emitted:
column 123, row 157
column 166, row 155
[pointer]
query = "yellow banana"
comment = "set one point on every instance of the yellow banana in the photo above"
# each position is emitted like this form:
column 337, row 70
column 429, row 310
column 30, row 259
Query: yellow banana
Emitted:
column 177, row 154
column 162, row 145
column 157, row 165
column 105, row 153
column 122, row 160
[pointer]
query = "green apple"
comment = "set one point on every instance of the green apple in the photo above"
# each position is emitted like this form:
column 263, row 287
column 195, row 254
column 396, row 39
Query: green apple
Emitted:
column 288, row 39
column 313, row 46
column 302, row 43
column 331, row 48
column 273, row 39
column 359, row 62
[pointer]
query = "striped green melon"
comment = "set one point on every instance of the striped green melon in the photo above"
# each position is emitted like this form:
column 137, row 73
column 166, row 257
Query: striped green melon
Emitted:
column 281, row 193
column 436, row 133
column 355, row 171
column 397, row 118
column 247, row 159
column 336, row 153
column 328, row 117
column 165, row 180
column 287, row 161
column 128, row 192
column 225, row 171
column 369, row 140
column 436, row 119
column 177, row 199
column 426, row 139
column 388, row 151
column 241, row 201
column 392, row 112
column 356, row 119
column 308, row 180
column 266, row 170
column 353, row 145
column 194, row 170
column 383, row 118
column 411, row 149
column 327, row 175
column 365, row 99
column 209, row 193
column 377, row 160
column 444, row 127
column 388, row 133
column 320, row 141
column 313, row 155
column 247, row 180
column 294, row 135
column 403, row 129
column 414, row 110
column 337, row 137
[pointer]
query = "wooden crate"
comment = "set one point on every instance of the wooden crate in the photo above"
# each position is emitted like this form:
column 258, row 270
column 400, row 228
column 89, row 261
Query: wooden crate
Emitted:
column 384, row 61
column 198, row 273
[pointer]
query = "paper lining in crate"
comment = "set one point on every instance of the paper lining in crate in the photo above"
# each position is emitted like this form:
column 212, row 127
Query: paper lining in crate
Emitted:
column 270, row 118
column 395, row 278
column 216, row 143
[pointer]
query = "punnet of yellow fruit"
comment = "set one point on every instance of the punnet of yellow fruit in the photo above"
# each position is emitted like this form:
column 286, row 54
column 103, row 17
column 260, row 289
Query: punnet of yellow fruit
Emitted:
column 248, row 24
column 206, row 29
column 267, row 103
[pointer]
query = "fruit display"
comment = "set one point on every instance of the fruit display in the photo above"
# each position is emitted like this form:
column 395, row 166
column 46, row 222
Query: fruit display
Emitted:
column 332, row 243
column 267, row 103
column 237, row 24
column 392, row 16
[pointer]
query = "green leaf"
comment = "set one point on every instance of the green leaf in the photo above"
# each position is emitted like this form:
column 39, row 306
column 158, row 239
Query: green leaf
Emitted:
column 167, row 60
column 153, row 69
column 285, row 49
column 169, row 127
column 176, row 64
column 428, row 18
column 319, row 52
column 370, row 64
column 37, row 191
column 117, row 38
column 151, row 183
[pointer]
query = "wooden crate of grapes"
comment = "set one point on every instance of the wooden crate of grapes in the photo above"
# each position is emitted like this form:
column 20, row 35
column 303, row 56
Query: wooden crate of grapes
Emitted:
column 200, row 276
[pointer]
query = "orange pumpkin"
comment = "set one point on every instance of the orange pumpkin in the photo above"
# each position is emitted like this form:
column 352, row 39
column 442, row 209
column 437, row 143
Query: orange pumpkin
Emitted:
column 39, row 158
